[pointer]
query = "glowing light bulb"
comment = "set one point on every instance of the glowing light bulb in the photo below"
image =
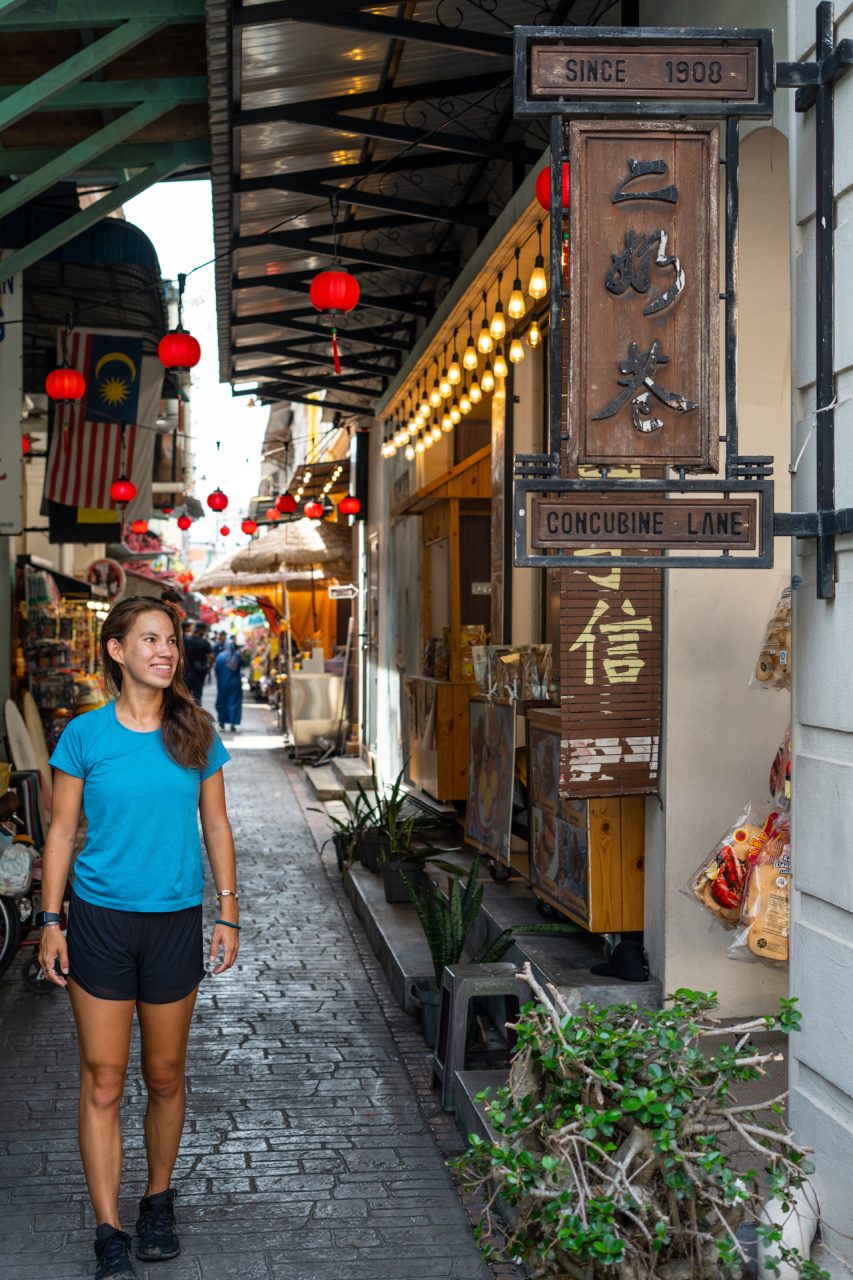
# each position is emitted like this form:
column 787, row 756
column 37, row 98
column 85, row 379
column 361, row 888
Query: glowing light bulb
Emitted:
column 423, row 407
column 415, row 426
column 464, row 402
column 392, row 449
column 500, row 364
column 444, row 386
column 484, row 339
column 454, row 373
column 538, row 286
column 476, row 392
column 469, row 359
column 435, row 395
column 410, row 452
column 497, row 328
column 446, row 423
column 516, row 305
column 419, row 445
column 455, row 412
column 488, row 378
column 534, row 334
column 428, row 439
column 516, row 351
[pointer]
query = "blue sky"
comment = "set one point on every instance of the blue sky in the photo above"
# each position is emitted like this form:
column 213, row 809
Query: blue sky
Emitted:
column 177, row 218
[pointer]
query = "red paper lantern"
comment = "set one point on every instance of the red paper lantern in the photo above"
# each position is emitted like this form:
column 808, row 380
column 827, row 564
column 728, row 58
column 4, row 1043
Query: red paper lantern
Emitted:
column 225, row 530
column 349, row 506
column 249, row 526
column 139, row 526
column 179, row 350
column 26, row 445
column 543, row 187
column 286, row 504
column 217, row 501
column 334, row 291
column 273, row 513
column 167, row 511
column 314, row 510
column 184, row 522
column 122, row 490
column 65, row 384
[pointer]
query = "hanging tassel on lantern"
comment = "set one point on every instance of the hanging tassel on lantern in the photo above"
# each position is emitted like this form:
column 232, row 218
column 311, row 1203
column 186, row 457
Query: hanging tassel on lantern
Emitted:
column 335, row 353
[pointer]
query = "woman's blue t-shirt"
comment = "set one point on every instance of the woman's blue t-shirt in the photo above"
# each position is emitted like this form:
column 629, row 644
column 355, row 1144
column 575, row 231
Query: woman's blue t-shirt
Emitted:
column 143, row 850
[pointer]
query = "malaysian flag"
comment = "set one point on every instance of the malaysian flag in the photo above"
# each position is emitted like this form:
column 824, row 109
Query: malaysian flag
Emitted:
column 123, row 390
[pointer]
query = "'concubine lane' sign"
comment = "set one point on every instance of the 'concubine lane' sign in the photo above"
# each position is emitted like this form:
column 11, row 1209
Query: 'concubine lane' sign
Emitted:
column 652, row 520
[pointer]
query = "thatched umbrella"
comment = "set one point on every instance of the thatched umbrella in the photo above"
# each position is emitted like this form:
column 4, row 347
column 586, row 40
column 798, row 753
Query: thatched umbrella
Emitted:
column 221, row 578
column 299, row 544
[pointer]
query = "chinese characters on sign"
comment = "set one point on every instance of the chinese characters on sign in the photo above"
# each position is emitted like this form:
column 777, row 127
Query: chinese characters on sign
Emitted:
column 643, row 379
column 611, row 679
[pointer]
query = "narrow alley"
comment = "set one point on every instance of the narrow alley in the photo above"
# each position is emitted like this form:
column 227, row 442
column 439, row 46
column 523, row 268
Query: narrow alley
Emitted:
column 307, row 1155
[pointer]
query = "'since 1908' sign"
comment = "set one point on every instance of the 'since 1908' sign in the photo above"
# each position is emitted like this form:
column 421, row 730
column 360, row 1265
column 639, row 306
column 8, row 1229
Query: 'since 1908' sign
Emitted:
column 662, row 71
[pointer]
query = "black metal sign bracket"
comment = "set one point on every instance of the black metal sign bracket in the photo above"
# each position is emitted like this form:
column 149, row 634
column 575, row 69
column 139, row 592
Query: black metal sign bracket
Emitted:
column 814, row 82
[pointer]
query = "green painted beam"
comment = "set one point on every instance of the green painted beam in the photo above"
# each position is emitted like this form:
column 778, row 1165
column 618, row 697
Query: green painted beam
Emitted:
column 77, row 157
column 31, row 97
column 103, row 95
column 132, row 155
column 54, row 15
column 20, row 259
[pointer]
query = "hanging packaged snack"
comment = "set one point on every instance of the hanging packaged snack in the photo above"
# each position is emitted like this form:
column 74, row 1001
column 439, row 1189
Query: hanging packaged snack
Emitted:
column 720, row 882
column 766, row 917
column 780, row 775
column 773, row 668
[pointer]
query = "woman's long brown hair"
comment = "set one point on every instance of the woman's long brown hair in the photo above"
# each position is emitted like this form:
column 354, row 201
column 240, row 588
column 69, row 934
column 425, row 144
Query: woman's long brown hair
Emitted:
column 187, row 730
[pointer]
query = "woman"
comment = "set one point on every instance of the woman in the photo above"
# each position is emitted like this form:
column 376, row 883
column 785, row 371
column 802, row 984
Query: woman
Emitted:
column 144, row 767
column 229, row 686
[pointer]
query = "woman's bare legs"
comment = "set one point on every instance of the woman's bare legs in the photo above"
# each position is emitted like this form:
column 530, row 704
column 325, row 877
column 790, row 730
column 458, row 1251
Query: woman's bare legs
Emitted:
column 165, row 1030
column 103, row 1038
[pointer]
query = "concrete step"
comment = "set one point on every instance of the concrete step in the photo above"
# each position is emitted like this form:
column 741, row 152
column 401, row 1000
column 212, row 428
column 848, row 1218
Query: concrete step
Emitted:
column 337, row 809
column 395, row 934
column 323, row 783
column 350, row 771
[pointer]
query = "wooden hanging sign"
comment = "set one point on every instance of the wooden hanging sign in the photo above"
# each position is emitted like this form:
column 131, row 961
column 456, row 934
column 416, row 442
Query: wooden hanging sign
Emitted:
column 651, row 71
column 645, row 294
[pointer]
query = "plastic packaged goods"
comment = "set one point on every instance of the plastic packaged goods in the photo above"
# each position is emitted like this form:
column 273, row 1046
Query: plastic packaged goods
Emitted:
column 766, row 915
column 720, row 883
column 773, row 668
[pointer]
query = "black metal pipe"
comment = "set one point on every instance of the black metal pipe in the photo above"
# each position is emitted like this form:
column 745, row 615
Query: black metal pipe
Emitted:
column 825, row 302
column 555, row 332
column 732, row 231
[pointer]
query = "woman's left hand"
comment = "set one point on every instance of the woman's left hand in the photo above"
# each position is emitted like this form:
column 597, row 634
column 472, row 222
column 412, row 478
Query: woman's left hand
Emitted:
column 228, row 940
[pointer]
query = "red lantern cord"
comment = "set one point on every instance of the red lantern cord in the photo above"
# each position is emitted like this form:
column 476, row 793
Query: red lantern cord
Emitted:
column 335, row 353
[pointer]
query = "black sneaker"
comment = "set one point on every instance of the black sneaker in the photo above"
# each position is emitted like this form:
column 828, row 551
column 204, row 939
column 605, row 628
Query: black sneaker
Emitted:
column 112, row 1250
column 155, row 1228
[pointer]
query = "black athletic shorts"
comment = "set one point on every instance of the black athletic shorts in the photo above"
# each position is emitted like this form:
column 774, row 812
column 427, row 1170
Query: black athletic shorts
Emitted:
column 153, row 956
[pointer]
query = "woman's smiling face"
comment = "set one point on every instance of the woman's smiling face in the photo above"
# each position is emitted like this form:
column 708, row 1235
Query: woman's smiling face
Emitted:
column 150, row 653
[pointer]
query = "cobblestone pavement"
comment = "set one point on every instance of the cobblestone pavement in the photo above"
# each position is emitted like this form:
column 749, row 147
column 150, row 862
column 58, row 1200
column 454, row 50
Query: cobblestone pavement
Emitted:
column 307, row 1153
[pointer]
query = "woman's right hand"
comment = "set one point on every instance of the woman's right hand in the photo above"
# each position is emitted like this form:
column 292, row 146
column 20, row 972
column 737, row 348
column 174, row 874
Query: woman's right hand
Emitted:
column 53, row 947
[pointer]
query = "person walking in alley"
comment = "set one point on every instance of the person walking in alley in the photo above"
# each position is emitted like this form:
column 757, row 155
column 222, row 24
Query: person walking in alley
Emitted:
column 199, row 660
column 144, row 767
column 229, row 686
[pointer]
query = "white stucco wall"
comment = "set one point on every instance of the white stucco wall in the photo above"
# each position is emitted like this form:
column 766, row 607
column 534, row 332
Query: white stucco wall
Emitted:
column 822, row 944
column 720, row 735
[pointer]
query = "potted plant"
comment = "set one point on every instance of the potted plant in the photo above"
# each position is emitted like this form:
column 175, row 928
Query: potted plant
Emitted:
column 447, row 923
column 619, row 1147
column 345, row 832
column 393, row 837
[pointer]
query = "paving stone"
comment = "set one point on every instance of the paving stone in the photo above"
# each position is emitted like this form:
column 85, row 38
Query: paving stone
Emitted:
column 312, row 1144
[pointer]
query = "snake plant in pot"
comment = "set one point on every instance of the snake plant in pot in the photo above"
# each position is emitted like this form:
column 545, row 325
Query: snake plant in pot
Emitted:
column 447, row 923
column 345, row 831
column 395, row 837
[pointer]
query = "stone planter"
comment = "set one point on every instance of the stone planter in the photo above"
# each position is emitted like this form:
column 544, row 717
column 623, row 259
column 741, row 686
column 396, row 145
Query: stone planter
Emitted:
column 374, row 847
column 392, row 878
column 429, row 1000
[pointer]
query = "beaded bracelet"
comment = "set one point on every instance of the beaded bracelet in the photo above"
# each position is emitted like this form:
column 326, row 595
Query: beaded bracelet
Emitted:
column 229, row 923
